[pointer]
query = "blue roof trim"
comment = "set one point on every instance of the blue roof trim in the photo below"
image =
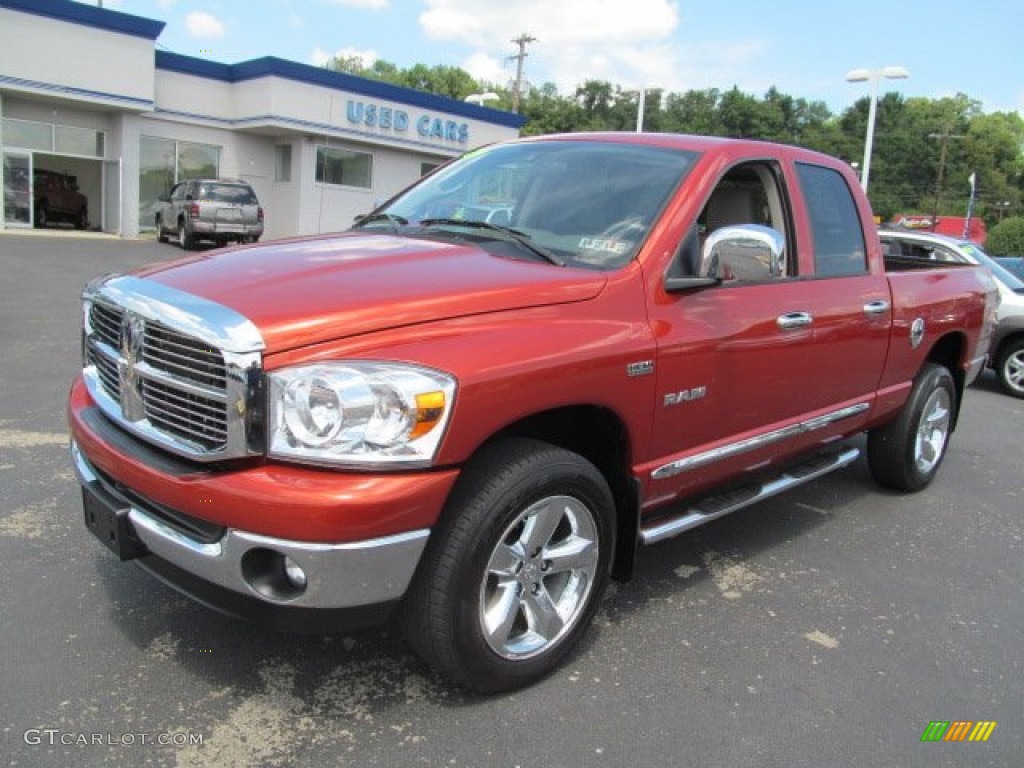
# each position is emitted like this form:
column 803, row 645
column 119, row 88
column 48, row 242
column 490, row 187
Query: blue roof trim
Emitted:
column 271, row 66
column 190, row 65
column 89, row 16
column 67, row 90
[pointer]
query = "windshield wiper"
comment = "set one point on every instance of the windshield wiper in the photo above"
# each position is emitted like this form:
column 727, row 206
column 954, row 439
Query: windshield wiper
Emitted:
column 507, row 233
column 394, row 221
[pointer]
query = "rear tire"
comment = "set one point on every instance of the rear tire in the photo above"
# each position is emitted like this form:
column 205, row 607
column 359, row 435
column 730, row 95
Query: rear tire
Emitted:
column 514, row 572
column 161, row 236
column 42, row 215
column 185, row 238
column 82, row 219
column 906, row 453
column 1010, row 368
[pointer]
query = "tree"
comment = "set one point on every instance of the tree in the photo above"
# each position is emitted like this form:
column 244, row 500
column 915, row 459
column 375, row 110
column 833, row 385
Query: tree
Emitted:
column 352, row 65
column 693, row 112
column 1006, row 238
column 924, row 149
column 547, row 112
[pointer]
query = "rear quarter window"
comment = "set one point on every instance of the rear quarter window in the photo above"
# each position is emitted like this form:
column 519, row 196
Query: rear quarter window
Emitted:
column 839, row 248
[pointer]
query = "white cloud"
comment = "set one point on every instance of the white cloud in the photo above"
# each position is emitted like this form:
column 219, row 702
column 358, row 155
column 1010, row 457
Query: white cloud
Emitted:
column 623, row 41
column 202, row 24
column 604, row 22
column 373, row 5
column 486, row 68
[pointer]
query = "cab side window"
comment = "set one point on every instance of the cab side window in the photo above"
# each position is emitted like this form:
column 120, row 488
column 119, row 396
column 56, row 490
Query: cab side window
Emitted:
column 839, row 248
column 748, row 193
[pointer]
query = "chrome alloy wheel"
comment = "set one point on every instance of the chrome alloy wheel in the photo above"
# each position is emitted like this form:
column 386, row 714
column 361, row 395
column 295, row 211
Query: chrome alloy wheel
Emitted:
column 539, row 577
column 932, row 430
column 1013, row 370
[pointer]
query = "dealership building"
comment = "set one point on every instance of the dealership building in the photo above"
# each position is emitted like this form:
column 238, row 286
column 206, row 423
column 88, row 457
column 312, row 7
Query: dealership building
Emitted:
column 84, row 93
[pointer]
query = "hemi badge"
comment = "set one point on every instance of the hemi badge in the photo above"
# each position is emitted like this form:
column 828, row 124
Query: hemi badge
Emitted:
column 640, row 369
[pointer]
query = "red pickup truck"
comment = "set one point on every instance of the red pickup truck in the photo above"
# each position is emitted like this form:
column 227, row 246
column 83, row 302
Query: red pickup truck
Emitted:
column 470, row 410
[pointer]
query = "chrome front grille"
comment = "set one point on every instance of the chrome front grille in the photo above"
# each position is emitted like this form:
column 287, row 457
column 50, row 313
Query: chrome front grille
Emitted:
column 106, row 324
column 189, row 416
column 155, row 362
column 184, row 356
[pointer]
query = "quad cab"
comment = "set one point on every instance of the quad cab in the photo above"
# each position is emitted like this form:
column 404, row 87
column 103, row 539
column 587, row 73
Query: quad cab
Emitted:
column 481, row 403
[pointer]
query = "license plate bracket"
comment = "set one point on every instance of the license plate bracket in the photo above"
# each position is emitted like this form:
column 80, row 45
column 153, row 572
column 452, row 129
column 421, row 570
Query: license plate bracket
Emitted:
column 111, row 525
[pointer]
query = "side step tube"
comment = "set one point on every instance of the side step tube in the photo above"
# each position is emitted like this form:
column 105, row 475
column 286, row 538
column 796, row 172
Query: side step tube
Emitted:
column 709, row 508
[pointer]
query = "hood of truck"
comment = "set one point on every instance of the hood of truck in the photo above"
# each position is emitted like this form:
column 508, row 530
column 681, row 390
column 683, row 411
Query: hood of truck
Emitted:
column 302, row 292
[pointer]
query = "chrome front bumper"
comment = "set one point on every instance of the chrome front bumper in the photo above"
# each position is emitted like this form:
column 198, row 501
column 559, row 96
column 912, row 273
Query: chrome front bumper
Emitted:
column 279, row 572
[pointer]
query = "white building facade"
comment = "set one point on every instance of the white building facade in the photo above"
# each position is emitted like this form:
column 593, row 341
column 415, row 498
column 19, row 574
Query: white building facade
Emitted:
column 85, row 93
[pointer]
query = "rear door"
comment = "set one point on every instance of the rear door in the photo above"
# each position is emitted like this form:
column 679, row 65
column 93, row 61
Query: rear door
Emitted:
column 178, row 203
column 850, row 307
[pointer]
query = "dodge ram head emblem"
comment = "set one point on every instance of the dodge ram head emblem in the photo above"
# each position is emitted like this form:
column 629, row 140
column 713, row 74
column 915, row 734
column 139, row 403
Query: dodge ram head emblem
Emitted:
column 133, row 330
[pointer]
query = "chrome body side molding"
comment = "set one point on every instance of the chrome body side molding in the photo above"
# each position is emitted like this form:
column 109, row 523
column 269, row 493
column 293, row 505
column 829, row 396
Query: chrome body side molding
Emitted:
column 754, row 443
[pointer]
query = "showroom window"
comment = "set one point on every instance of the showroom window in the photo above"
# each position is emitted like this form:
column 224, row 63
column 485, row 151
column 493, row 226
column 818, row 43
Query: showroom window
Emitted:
column 163, row 163
column 57, row 139
column 344, row 167
column 198, row 161
column 283, row 162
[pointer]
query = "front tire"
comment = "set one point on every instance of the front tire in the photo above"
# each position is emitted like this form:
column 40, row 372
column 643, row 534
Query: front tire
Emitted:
column 906, row 453
column 515, row 571
column 1010, row 368
column 161, row 236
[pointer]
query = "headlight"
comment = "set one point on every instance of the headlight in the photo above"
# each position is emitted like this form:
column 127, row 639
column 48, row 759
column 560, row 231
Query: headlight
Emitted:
column 359, row 413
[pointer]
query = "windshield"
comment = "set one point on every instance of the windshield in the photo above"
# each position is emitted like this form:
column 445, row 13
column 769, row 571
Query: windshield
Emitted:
column 1004, row 275
column 578, row 203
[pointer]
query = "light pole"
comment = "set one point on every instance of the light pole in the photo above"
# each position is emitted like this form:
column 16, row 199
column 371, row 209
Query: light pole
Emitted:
column 864, row 75
column 481, row 98
column 640, row 106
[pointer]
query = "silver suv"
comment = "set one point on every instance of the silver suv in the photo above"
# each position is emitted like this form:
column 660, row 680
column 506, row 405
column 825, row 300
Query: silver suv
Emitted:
column 222, row 210
column 1007, row 352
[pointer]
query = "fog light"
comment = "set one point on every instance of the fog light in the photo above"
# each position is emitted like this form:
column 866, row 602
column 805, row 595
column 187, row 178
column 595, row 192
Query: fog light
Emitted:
column 273, row 575
column 295, row 574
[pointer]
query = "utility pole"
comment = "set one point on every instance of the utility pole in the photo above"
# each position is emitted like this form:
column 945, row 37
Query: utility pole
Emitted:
column 522, row 41
column 945, row 136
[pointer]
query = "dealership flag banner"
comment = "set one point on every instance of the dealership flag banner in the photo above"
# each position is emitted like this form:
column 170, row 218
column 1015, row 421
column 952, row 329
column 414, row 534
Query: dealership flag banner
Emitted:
column 970, row 206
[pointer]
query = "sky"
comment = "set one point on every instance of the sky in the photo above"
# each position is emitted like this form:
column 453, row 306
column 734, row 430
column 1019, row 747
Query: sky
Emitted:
column 803, row 48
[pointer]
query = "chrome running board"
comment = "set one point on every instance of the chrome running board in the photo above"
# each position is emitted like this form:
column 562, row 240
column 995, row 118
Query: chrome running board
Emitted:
column 708, row 508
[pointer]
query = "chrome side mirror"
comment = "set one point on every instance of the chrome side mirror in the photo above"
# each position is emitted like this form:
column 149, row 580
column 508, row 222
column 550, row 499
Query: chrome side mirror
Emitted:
column 747, row 252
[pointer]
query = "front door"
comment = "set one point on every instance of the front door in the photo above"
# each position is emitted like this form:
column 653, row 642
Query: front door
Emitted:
column 734, row 360
column 17, row 183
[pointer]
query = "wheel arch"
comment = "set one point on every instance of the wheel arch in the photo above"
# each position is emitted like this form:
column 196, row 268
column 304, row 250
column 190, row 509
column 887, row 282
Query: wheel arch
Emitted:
column 602, row 438
column 949, row 352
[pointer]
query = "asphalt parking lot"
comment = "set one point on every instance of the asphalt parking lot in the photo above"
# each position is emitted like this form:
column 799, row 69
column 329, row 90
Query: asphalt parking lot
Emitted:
column 826, row 627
